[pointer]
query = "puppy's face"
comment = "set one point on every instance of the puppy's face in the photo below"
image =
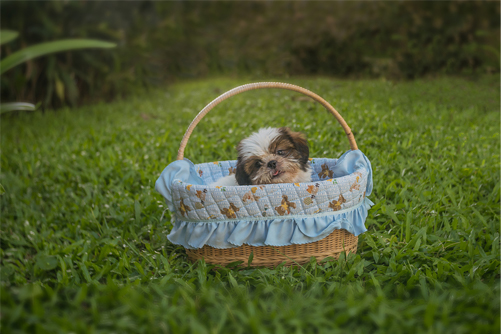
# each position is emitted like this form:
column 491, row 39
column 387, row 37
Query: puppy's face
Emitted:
column 273, row 156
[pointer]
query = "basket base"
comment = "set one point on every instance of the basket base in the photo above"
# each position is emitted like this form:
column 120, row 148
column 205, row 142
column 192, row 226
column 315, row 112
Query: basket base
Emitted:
column 270, row 256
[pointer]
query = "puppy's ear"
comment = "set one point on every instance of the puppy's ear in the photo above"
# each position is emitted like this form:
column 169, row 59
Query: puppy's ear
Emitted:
column 241, row 175
column 300, row 143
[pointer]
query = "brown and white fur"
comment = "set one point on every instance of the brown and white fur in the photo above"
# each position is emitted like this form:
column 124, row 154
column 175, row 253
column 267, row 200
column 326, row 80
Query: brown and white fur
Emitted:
column 271, row 155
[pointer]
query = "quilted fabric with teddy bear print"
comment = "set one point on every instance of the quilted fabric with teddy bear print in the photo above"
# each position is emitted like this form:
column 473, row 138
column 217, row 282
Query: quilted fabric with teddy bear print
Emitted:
column 325, row 194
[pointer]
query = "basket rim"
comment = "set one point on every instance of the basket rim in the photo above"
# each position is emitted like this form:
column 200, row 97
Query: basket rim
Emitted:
column 181, row 218
column 362, row 169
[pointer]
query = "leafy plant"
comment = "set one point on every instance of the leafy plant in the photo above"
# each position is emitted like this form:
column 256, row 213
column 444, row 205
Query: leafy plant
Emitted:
column 6, row 107
column 50, row 47
column 39, row 50
column 7, row 36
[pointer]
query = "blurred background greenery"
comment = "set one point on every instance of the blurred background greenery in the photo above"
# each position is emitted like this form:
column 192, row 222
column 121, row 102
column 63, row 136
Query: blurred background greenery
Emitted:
column 161, row 42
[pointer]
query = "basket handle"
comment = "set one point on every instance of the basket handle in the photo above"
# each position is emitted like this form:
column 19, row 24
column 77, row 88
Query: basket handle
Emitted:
column 258, row 85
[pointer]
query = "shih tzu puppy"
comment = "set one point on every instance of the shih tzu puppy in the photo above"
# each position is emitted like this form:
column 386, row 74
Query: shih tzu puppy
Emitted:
column 270, row 155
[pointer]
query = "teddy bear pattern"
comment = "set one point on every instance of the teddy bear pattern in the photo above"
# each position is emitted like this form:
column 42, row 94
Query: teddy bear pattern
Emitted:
column 284, row 207
column 324, row 194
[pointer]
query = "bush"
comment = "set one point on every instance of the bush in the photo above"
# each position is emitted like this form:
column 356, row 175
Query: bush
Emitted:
column 164, row 41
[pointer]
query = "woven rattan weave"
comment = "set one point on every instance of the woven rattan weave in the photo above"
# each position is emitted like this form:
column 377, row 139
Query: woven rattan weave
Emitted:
column 271, row 256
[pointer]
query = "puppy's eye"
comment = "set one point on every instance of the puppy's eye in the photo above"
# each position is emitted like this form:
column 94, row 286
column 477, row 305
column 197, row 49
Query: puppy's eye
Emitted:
column 281, row 152
column 258, row 163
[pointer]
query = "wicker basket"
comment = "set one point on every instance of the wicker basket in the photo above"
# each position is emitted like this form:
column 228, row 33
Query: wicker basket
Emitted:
column 269, row 256
column 331, row 246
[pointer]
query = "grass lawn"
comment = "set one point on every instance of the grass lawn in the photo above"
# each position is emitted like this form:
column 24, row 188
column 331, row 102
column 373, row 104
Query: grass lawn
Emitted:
column 84, row 250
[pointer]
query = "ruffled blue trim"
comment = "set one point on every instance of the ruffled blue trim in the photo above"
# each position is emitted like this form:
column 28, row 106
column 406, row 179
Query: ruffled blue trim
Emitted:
column 273, row 232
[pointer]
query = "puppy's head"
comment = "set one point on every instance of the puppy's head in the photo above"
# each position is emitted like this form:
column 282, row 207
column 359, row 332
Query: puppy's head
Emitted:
column 273, row 155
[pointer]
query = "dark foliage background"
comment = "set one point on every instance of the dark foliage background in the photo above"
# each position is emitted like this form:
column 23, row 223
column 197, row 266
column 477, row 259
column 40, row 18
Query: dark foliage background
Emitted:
column 160, row 42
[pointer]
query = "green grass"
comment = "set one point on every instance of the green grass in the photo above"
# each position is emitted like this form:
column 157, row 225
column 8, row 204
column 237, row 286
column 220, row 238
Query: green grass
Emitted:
column 83, row 248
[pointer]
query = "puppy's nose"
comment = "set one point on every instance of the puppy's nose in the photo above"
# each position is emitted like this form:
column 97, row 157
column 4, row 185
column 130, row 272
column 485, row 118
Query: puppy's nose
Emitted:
column 272, row 164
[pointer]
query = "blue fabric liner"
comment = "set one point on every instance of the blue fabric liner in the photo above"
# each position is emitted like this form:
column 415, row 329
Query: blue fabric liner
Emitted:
column 272, row 232
column 183, row 170
column 351, row 161
column 275, row 232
